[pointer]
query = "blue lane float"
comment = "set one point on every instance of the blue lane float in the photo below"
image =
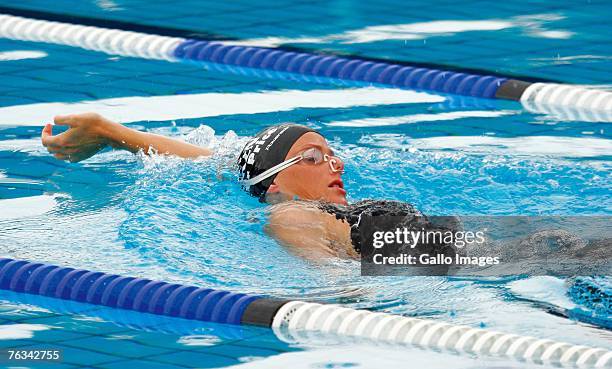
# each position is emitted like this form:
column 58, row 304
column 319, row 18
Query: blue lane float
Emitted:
column 335, row 67
column 115, row 291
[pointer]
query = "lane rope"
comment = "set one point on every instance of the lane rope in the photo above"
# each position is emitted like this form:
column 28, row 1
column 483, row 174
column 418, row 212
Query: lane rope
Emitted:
column 286, row 318
column 317, row 66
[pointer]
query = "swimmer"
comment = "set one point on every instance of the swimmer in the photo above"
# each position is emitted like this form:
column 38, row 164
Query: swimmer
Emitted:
column 289, row 166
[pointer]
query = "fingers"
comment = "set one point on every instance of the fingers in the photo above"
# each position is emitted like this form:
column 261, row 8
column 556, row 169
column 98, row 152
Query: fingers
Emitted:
column 47, row 130
column 61, row 156
column 65, row 120
column 62, row 150
column 74, row 120
column 52, row 143
column 46, row 135
column 68, row 157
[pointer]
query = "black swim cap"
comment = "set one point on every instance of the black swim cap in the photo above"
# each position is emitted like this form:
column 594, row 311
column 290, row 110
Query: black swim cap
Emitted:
column 267, row 149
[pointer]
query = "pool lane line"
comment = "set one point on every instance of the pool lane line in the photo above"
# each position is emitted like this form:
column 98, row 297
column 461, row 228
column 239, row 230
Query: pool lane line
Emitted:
column 128, row 43
column 287, row 318
column 149, row 46
column 173, row 31
column 137, row 294
column 112, row 23
column 109, row 41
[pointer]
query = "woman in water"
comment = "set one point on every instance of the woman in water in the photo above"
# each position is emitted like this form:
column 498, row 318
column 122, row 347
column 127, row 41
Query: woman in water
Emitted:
column 288, row 166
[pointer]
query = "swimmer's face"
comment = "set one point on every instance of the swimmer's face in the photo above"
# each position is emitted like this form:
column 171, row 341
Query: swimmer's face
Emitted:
column 312, row 182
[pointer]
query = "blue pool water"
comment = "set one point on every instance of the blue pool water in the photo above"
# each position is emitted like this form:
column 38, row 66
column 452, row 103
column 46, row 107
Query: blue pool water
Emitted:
column 189, row 221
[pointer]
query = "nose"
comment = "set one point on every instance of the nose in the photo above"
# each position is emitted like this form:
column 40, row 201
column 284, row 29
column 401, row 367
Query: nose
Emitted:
column 336, row 164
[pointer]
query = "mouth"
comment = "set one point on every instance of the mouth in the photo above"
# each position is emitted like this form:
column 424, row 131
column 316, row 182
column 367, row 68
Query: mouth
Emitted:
column 337, row 184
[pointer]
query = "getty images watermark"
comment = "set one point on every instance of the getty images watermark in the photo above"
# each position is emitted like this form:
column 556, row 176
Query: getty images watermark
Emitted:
column 485, row 246
column 413, row 238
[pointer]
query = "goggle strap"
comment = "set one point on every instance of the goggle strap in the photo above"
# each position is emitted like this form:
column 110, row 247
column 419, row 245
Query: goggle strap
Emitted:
column 272, row 171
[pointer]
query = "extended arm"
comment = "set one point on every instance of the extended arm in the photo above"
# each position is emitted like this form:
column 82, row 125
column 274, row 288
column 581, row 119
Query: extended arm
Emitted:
column 89, row 133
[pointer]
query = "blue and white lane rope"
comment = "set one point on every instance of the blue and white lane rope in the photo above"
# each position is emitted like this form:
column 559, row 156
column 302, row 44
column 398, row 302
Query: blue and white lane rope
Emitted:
column 285, row 317
column 150, row 46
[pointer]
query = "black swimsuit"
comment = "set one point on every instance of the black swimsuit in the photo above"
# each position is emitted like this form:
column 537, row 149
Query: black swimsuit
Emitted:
column 397, row 215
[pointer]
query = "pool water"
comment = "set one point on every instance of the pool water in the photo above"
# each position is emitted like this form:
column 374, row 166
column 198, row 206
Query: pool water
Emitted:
column 190, row 222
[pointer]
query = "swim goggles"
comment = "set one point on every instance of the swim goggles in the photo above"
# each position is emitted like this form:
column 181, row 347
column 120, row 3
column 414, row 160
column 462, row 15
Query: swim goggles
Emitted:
column 312, row 156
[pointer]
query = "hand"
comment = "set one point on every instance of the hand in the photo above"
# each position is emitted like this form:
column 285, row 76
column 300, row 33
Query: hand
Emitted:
column 83, row 139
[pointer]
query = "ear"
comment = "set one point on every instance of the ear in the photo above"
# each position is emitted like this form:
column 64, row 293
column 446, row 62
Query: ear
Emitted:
column 273, row 188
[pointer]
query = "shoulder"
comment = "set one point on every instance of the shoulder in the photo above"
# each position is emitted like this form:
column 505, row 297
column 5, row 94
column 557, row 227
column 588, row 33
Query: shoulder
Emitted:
column 306, row 227
column 293, row 211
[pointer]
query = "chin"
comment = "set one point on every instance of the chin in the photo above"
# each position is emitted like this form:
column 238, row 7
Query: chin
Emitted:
column 335, row 197
column 341, row 200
